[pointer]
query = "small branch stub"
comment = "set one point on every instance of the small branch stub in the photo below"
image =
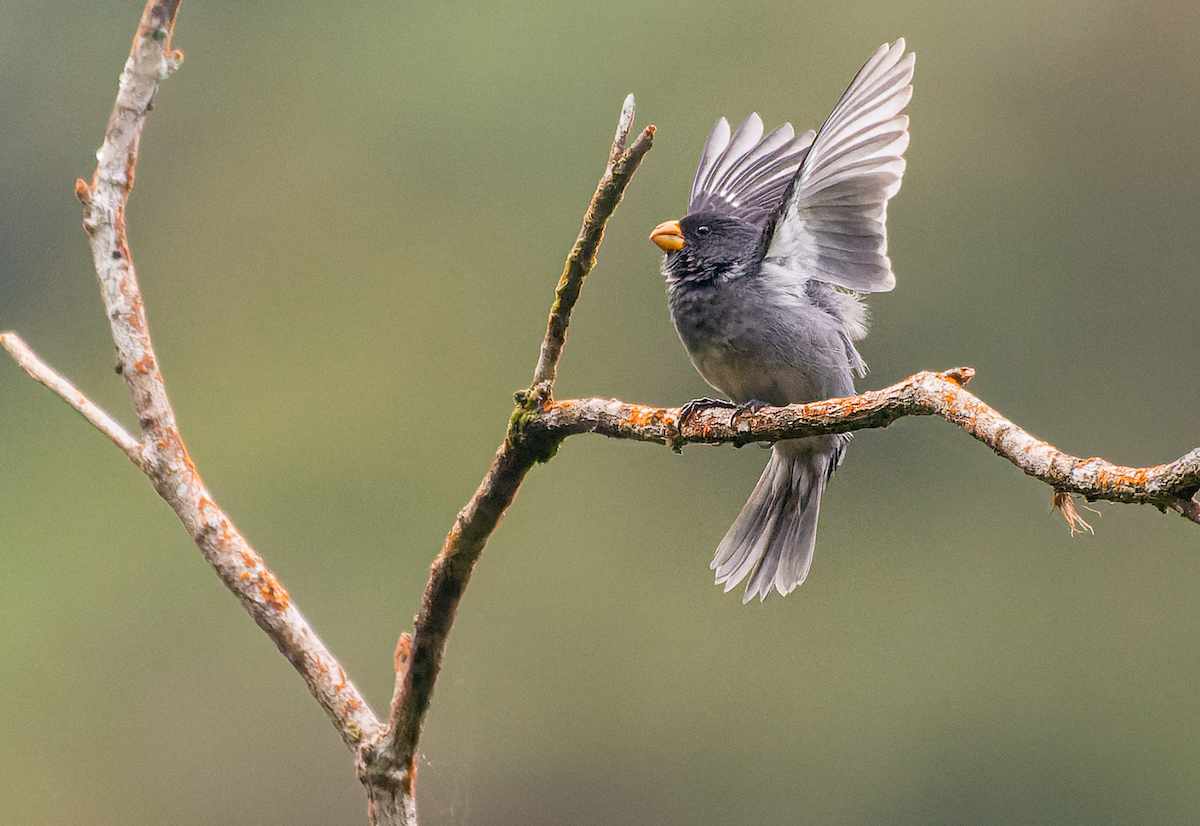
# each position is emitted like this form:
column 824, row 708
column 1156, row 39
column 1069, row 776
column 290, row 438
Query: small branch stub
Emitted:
column 43, row 373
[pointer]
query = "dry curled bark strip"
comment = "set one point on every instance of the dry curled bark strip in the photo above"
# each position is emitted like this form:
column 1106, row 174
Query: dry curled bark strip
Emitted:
column 1170, row 486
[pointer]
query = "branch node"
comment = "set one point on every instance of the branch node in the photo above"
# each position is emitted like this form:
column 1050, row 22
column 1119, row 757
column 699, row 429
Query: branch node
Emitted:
column 83, row 192
column 536, row 397
column 960, row 375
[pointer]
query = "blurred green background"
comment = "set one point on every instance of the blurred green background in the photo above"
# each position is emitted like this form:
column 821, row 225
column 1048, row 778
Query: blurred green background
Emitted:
column 348, row 222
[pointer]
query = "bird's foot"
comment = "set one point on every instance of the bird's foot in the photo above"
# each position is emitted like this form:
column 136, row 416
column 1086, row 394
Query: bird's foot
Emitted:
column 752, row 406
column 696, row 405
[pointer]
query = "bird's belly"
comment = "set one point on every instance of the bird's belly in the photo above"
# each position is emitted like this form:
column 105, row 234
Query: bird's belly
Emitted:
column 741, row 376
column 762, row 350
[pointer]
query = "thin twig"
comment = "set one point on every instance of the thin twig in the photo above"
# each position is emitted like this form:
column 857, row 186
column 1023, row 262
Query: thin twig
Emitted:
column 621, row 165
column 1170, row 486
column 452, row 568
column 43, row 373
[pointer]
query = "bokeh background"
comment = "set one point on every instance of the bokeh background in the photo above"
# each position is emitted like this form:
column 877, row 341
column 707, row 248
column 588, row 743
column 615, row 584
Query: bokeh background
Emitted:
column 348, row 222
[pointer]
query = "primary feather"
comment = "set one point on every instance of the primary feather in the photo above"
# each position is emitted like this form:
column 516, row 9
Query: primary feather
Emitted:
column 783, row 233
column 833, row 224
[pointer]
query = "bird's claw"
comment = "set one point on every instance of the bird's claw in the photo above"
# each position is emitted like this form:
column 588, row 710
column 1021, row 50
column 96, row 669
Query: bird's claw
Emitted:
column 751, row 407
column 696, row 405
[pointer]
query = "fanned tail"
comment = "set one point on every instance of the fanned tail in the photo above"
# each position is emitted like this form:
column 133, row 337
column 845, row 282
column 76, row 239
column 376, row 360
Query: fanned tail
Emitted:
column 772, row 539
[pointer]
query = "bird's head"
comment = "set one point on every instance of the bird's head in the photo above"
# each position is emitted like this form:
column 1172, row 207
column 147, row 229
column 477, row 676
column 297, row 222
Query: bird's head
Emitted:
column 704, row 246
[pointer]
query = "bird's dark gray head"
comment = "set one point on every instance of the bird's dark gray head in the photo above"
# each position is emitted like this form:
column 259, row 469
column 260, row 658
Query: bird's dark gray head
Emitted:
column 706, row 246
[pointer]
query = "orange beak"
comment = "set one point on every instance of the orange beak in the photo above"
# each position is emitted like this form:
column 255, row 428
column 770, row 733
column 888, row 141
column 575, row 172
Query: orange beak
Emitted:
column 668, row 236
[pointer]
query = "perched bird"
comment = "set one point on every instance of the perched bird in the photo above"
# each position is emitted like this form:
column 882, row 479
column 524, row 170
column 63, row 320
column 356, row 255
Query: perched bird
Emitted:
column 783, row 234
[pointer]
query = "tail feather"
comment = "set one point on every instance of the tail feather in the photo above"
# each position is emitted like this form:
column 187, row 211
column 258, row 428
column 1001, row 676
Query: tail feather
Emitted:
column 772, row 539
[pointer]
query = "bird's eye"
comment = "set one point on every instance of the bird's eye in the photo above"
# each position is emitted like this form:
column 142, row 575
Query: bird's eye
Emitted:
column 703, row 230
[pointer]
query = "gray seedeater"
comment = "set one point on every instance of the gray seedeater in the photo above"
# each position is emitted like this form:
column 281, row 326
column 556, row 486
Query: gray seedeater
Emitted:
column 765, row 273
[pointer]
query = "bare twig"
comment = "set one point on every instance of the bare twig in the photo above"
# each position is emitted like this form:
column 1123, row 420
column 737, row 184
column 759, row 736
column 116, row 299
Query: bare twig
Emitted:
column 621, row 164
column 38, row 370
column 1170, row 486
column 452, row 568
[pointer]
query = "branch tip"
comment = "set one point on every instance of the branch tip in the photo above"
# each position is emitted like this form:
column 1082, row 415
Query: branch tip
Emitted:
column 624, row 125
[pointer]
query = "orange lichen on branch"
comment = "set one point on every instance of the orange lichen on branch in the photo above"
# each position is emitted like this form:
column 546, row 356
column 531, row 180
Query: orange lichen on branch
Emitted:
column 642, row 416
column 272, row 592
column 187, row 458
column 403, row 652
column 1168, row 486
column 959, row 375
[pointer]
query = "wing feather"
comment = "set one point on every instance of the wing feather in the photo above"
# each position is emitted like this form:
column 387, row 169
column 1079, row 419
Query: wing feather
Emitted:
column 832, row 224
column 745, row 175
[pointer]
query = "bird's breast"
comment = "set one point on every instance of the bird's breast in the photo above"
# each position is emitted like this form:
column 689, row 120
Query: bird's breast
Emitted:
column 756, row 343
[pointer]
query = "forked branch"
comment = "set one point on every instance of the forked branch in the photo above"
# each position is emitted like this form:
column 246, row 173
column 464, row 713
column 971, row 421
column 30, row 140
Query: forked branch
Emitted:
column 386, row 754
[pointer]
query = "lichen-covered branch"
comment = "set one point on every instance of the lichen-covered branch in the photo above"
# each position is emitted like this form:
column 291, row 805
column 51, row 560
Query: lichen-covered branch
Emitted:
column 1170, row 486
column 160, row 452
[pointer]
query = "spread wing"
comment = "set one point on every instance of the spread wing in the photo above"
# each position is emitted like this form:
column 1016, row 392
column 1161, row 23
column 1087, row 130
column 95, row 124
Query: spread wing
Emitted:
column 832, row 224
column 745, row 175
